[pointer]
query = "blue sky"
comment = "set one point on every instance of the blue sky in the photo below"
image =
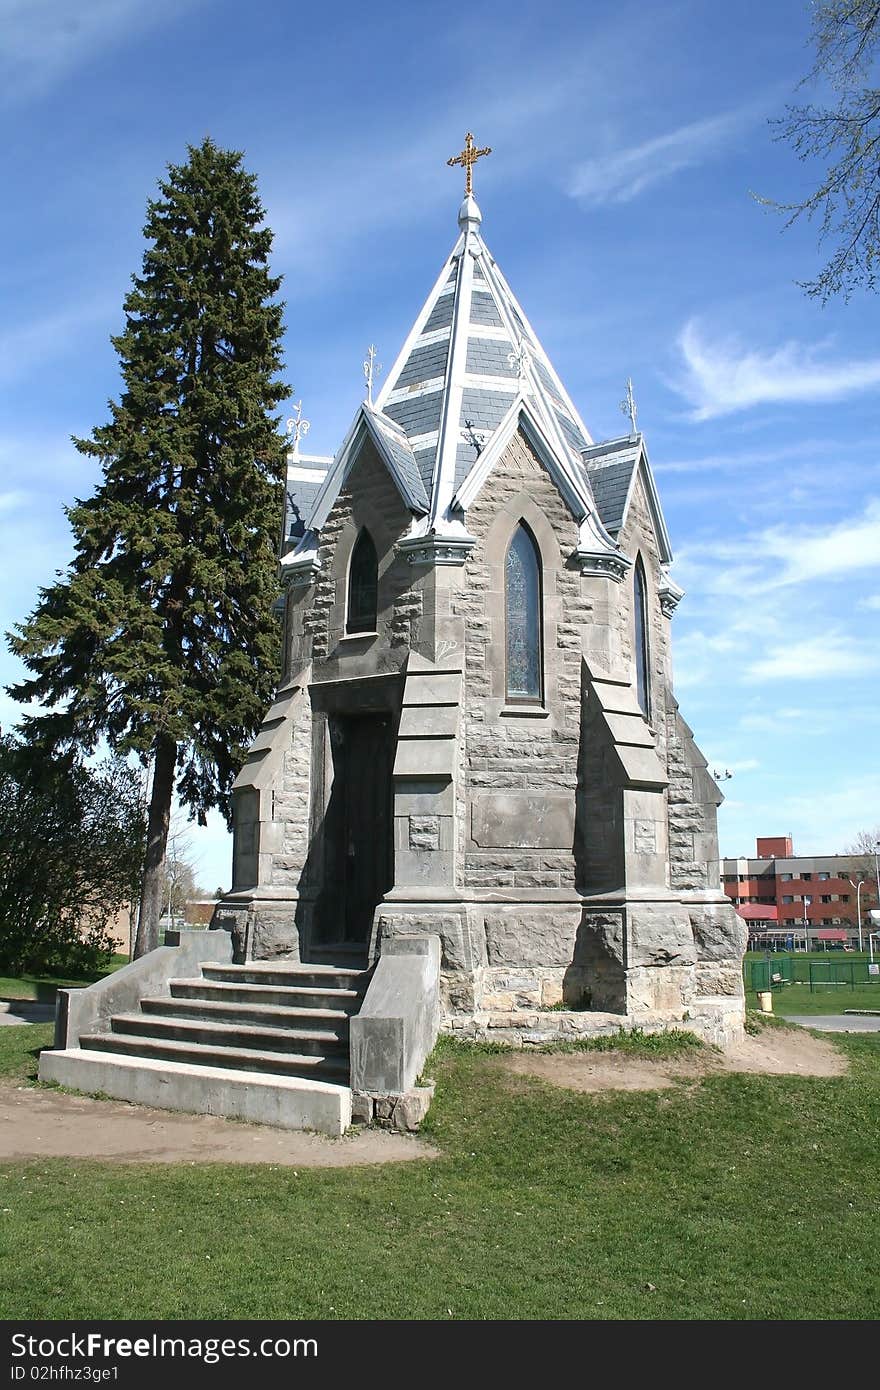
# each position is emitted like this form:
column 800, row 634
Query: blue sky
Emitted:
column 628, row 139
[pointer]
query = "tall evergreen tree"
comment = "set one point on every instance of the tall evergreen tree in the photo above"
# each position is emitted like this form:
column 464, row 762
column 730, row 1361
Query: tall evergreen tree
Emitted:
column 160, row 637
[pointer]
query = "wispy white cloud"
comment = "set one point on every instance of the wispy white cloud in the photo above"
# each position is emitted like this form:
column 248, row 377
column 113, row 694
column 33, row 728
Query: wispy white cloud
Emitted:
column 820, row 824
column 832, row 821
column 373, row 180
column 808, row 553
column 815, row 658
column 786, row 719
column 872, row 602
column 697, row 655
column 722, row 376
column 621, row 174
column 44, row 40
column 735, row 461
column 781, row 556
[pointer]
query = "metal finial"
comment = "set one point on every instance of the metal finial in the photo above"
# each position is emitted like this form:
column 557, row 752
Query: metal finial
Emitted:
column 628, row 405
column 473, row 438
column 372, row 368
column 520, row 361
column 467, row 159
column 297, row 427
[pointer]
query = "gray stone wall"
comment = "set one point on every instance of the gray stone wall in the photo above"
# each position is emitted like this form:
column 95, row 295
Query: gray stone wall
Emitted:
column 290, row 801
column 637, row 538
column 518, row 766
column 560, row 810
column 693, row 811
column 317, row 612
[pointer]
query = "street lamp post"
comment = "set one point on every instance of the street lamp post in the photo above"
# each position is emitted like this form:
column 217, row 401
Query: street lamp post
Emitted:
column 858, row 887
column 807, row 902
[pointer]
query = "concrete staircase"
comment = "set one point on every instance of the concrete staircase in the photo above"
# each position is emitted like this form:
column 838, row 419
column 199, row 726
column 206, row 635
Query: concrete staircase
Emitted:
column 262, row 1041
column 288, row 1021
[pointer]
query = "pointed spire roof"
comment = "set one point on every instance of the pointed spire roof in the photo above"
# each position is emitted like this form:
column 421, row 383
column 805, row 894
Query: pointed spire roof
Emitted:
column 470, row 354
column 471, row 371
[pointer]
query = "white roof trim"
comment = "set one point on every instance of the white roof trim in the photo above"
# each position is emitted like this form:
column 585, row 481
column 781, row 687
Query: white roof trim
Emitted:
column 643, row 468
column 563, row 394
column 297, row 474
column 412, row 393
column 364, row 424
column 489, row 330
column 450, row 408
column 506, row 302
column 505, row 385
column 436, row 335
column 421, row 320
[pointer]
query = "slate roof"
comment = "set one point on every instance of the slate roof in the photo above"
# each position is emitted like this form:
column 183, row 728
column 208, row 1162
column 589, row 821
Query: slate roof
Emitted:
column 610, row 468
column 458, row 372
column 397, row 445
column 470, row 355
column 305, row 476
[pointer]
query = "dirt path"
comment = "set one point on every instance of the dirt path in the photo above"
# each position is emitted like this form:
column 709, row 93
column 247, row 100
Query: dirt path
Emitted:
column 38, row 1123
column 774, row 1052
column 43, row 1123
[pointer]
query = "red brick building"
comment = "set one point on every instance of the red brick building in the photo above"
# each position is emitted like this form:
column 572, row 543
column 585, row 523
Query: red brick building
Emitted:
column 823, row 890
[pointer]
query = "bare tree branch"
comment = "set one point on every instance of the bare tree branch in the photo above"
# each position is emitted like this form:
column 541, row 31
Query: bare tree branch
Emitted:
column 846, row 137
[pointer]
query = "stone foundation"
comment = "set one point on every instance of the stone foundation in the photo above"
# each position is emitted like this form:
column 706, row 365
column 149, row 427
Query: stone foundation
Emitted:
column 405, row 1112
column 718, row 1022
column 510, row 969
column 261, row 928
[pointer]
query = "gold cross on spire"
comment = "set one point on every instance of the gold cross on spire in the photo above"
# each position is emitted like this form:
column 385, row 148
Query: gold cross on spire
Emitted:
column 467, row 159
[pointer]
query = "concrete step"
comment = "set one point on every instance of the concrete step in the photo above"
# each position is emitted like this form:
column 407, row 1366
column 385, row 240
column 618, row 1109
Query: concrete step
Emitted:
column 284, row 995
column 225, row 1035
column 261, row 1015
column 266, row 973
column 270, row 972
column 319, row 1065
column 288, row 1102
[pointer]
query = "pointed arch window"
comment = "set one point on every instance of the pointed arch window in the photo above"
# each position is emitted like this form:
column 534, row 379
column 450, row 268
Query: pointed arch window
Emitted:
column 522, row 594
column 363, row 586
column 640, row 612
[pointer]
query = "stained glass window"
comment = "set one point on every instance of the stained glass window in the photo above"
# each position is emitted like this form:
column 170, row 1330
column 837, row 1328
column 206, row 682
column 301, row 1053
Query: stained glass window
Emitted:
column 523, row 599
column 640, row 609
column 363, row 586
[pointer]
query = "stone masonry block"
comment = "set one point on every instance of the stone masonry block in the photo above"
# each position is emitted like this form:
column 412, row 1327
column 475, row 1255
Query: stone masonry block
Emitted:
column 424, row 832
column 530, row 937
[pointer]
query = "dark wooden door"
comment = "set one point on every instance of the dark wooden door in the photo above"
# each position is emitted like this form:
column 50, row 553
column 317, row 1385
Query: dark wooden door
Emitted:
column 362, row 792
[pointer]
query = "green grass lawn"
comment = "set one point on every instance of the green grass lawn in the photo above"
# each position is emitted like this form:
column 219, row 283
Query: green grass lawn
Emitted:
column 797, row 999
column 740, row 1197
column 43, row 987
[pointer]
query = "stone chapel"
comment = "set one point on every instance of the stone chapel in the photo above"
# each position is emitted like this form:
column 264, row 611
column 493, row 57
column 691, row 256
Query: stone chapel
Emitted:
column 475, row 736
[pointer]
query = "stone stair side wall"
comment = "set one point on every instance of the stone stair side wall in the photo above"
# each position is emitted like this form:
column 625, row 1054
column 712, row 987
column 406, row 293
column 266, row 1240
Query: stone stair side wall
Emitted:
column 398, row 1022
column 87, row 1010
